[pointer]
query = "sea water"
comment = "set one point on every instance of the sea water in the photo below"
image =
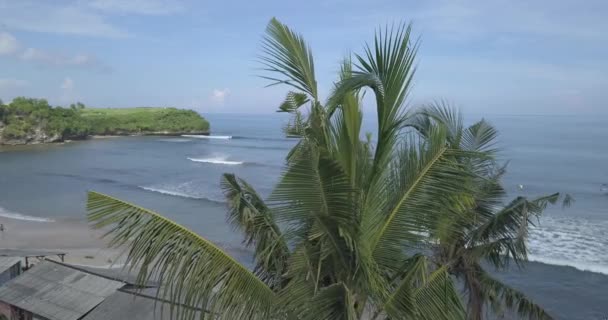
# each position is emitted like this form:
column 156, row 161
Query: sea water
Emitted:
column 180, row 178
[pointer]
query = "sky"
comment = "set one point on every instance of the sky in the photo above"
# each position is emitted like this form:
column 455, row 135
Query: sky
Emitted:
column 492, row 56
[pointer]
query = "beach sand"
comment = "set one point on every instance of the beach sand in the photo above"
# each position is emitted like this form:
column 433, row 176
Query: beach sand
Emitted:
column 81, row 244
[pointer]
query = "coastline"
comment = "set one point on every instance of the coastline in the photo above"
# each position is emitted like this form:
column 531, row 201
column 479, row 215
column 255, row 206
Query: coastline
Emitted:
column 81, row 244
column 84, row 246
column 108, row 136
column 552, row 286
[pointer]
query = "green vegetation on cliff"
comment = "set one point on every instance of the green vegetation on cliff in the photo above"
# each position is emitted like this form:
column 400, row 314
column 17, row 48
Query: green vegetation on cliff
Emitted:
column 144, row 121
column 27, row 120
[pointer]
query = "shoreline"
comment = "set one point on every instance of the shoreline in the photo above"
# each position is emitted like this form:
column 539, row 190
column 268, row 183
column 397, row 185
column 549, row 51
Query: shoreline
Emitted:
column 104, row 136
column 82, row 245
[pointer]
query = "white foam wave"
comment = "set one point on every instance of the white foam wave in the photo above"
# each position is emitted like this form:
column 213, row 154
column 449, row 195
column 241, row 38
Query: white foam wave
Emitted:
column 206, row 137
column 184, row 190
column 571, row 263
column 175, row 140
column 571, row 241
column 171, row 193
column 217, row 160
column 17, row 216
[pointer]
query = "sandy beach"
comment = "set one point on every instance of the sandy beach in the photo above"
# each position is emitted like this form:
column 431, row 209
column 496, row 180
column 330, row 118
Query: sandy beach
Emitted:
column 82, row 245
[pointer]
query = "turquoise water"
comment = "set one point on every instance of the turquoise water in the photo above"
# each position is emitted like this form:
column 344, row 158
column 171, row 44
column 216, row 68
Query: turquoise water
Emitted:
column 179, row 177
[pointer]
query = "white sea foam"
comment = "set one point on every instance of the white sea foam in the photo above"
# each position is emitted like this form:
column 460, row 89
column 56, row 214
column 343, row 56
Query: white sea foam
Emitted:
column 18, row 216
column 206, row 137
column 170, row 192
column 216, row 160
column 571, row 241
column 189, row 189
column 175, row 140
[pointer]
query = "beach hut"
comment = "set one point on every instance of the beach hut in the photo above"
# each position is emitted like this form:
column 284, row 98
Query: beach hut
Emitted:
column 133, row 304
column 56, row 291
column 31, row 254
column 10, row 267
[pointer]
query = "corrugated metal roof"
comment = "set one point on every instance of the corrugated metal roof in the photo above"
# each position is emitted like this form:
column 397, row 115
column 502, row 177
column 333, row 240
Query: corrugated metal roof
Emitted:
column 57, row 292
column 7, row 262
column 131, row 305
column 119, row 274
column 28, row 253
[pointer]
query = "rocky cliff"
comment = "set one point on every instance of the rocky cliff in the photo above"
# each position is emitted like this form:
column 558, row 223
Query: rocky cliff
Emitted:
column 35, row 136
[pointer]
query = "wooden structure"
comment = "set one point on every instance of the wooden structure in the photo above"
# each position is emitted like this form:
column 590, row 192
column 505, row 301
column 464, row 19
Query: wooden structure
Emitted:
column 29, row 254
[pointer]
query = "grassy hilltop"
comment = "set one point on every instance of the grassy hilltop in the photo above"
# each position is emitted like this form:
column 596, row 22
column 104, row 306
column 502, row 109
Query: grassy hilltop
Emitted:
column 144, row 121
column 28, row 121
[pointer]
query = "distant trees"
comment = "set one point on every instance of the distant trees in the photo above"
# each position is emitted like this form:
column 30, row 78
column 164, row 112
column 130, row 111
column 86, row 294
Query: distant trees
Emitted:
column 26, row 119
column 77, row 106
column 144, row 120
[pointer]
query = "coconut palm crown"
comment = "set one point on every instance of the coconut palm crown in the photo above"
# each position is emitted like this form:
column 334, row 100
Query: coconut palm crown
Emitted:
column 389, row 225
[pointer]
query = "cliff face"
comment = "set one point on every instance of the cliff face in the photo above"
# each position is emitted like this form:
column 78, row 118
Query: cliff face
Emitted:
column 36, row 136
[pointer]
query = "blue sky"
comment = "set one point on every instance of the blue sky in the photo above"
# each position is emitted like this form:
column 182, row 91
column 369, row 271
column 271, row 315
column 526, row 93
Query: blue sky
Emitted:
column 494, row 57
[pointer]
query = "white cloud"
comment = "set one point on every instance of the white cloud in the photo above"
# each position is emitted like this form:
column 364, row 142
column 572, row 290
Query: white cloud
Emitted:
column 8, row 44
column 12, row 83
column 47, row 17
column 143, row 7
column 82, row 18
column 68, row 91
column 544, row 18
column 220, row 95
column 59, row 60
column 67, row 84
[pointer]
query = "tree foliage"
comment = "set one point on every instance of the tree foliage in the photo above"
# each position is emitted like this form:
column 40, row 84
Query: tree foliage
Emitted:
column 384, row 228
column 25, row 118
column 144, row 120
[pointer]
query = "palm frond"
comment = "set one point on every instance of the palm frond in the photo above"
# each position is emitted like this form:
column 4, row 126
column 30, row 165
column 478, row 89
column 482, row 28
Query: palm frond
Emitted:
column 510, row 298
column 189, row 268
column 508, row 229
column 293, row 101
column 481, row 136
column 346, row 129
column 420, row 295
column 440, row 112
column 315, row 197
column 334, row 302
column 249, row 213
column 296, row 127
column 438, row 298
column 427, row 179
column 387, row 68
column 287, row 54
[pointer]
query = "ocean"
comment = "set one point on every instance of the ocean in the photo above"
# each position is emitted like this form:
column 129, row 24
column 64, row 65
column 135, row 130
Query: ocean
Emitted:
column 179, row 177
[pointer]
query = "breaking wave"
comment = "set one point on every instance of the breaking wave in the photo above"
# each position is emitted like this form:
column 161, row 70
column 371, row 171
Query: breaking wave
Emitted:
column 206, row 137
column 178, row 193
column 216, row 160
column 18, row 216
column 570, row 241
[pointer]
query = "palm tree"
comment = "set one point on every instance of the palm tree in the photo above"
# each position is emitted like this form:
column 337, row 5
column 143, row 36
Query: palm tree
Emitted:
column 347, row 230
column 491, row 231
